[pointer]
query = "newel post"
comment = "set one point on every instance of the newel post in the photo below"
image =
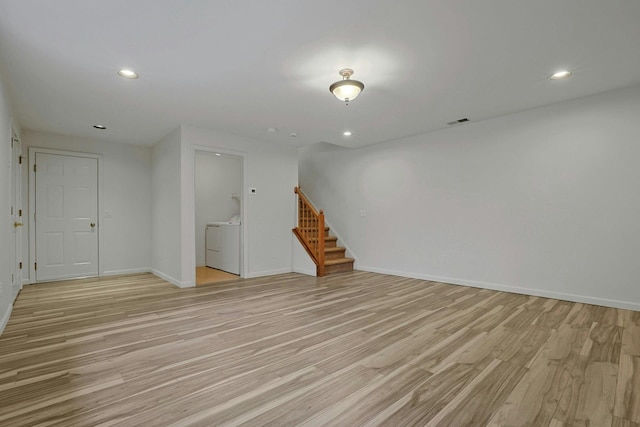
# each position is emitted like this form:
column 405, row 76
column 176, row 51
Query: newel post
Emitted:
column 321, row 244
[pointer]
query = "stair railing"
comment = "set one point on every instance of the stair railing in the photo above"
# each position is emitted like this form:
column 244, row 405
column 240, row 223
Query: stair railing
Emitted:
column 310, row 230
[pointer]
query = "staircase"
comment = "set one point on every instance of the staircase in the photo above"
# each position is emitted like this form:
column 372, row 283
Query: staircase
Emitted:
column 315, row 238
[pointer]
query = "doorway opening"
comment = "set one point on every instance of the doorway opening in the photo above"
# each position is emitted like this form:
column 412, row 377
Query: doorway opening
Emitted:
column 218, row 217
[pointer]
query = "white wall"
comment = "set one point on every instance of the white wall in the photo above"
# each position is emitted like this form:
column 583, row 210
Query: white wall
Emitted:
column 6, row 225
column 126, row 198
column 268, row 215
column 216, row 179
column 165, row 209
column 301, row 261
column 543, row 202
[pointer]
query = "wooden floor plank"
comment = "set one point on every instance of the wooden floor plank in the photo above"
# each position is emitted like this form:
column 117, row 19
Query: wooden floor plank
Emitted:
column 478, row 401
column 627, row 403
column 535, row 398
column 349, row 349
column 424, row 403
column 590, row 394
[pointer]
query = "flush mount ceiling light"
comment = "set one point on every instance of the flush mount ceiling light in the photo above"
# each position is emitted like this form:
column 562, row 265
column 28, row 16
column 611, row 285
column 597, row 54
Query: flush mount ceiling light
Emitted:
column 346, row 89
column 127, row 74
column 562, row 74
column 101, row 127
column 347, row 133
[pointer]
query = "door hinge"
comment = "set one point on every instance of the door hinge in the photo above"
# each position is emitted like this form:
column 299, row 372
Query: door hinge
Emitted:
column 35, row 265
column 19, row 160
column 11, row 210
column 34, row 168
column 20, row 265
column 19, row 212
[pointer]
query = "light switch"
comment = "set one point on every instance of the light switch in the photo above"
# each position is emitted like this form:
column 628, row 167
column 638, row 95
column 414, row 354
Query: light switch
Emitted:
column 363, row 213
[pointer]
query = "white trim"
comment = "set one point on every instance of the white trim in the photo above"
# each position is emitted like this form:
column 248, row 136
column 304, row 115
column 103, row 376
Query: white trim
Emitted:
column 172, row 280
column 127, row 271
column 106, row 273
column 5, row 318
column 305, row 272
column 268, row 273
column 17, row 206
column 66, row 277
column 508, row 288
column 32, row 202
column 186, row 284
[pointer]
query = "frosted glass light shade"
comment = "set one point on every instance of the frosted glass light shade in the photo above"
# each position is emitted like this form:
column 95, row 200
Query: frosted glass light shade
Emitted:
column 346, row 90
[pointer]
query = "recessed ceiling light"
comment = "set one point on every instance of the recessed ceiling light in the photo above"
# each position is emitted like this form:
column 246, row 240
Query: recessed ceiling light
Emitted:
column 560, row 75
column 272, row 130
column 101, row 127
column 127, row 74
column 347, row 133
column 218, row 154
column 293, row 135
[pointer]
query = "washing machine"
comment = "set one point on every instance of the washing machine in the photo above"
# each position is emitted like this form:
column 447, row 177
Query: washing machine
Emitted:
column 222, row 241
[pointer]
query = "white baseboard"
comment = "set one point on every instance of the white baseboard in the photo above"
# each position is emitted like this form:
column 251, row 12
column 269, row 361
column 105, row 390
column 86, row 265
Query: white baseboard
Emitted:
column 513, row 289
column 5, row 318
column 127, row 271
column 267, row 273
column 187, row 284
column 305, row 272
column 172, row 280
column 27, row 281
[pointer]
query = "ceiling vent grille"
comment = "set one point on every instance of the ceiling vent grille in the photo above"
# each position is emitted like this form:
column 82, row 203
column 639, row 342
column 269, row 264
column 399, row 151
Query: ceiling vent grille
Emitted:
column 457, row 122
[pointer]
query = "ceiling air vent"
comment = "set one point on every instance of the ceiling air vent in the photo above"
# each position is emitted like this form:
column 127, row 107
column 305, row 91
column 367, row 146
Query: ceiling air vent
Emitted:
column 457, row 122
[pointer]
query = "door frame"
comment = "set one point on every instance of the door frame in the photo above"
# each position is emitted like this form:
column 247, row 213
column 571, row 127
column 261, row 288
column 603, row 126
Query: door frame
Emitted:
column 32, row 203
column 16, row 215
column 191, row 238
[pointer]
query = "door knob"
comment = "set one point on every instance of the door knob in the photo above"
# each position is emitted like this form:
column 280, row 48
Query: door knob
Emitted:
column 93, row 224
column 17, row 224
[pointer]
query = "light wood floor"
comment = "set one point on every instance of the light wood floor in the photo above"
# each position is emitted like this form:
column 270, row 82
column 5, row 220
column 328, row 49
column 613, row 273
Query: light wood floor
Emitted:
column 210, row 276
column 344, row 350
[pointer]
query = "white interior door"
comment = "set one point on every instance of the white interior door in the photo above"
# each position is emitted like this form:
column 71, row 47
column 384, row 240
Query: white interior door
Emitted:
column 66, row 216
column 16, row 211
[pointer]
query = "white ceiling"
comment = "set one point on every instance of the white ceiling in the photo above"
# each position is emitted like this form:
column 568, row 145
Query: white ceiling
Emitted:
column 241, row 66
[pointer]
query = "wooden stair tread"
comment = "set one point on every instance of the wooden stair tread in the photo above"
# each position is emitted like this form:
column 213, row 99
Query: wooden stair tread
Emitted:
column 336, row 249
column 326, row 238
column 338, row 261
